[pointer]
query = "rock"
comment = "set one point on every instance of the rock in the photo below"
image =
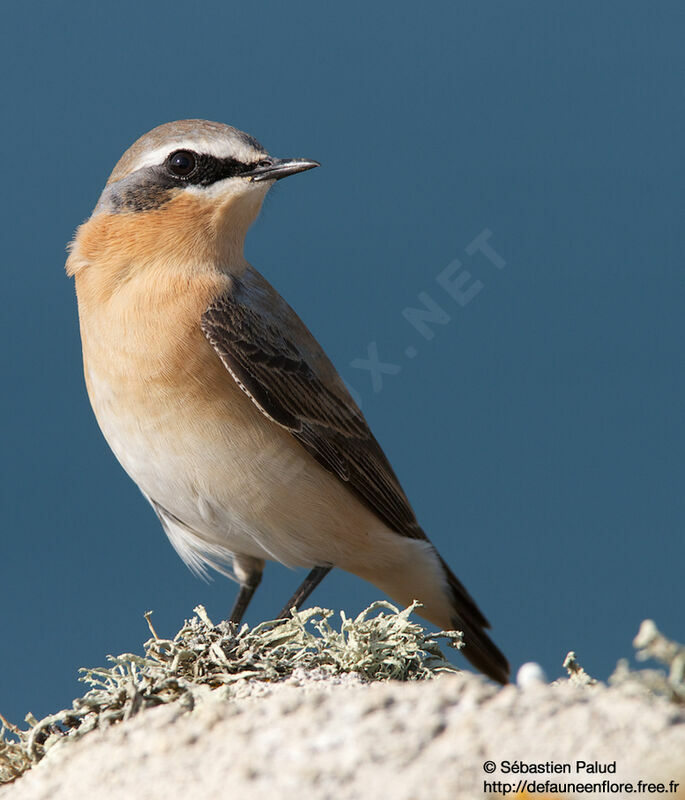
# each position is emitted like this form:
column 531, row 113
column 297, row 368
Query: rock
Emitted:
column 313, row 736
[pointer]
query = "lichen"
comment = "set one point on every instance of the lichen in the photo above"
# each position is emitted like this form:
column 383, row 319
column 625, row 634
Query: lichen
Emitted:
column 576, row 674
column 651, row 644
column 204, row 657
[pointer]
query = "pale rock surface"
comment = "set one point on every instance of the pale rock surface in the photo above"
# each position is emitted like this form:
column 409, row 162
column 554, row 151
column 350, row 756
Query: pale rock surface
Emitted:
column 316, row 737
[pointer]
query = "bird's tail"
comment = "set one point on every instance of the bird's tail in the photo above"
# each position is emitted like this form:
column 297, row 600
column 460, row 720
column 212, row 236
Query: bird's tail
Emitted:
column 479, row 648
column 409, row 569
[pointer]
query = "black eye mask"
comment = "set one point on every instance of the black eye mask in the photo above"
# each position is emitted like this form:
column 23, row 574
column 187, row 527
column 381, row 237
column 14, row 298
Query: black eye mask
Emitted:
column 200, row 169
column 151, row 187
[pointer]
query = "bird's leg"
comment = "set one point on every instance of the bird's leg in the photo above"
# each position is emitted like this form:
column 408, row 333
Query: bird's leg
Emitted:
column 305, row 589
column 248, row 570
column 243, row 599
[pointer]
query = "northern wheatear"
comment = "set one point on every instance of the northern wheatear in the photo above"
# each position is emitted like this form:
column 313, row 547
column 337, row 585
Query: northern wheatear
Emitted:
column 218, row 401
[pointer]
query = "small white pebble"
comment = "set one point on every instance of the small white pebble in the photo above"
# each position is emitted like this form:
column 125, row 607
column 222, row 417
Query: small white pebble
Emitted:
column 530, row 674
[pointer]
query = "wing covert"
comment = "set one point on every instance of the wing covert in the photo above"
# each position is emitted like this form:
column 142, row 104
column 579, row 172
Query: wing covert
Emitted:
column 280, row 366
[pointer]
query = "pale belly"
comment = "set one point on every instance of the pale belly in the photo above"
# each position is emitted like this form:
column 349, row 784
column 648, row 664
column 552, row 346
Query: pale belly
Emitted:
column 232, row 476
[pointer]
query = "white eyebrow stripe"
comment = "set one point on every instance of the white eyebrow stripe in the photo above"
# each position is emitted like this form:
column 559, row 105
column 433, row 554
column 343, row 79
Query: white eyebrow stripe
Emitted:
column 220, row 149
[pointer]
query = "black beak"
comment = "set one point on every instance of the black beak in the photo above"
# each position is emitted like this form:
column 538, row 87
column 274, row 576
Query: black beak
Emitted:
column 273, row 169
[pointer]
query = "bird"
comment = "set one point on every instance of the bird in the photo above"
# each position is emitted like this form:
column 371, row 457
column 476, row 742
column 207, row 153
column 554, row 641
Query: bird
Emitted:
column 218, row 401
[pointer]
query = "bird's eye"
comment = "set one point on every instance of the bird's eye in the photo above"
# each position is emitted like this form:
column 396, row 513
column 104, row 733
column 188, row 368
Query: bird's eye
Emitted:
column 181, row 163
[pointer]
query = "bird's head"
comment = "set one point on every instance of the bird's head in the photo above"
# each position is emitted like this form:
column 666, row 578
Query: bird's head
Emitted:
column 189, row 181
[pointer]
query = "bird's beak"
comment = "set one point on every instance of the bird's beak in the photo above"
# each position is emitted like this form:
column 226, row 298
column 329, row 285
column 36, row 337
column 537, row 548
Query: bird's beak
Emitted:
column 274, row 169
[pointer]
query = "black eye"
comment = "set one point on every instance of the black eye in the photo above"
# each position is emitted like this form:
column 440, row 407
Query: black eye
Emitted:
column 181, row 163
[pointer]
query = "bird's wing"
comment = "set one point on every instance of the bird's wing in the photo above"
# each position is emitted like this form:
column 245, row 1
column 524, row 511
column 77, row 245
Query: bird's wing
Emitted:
column 277, row 362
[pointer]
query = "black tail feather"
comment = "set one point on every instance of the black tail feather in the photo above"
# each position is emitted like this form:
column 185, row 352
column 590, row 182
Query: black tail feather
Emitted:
column 482, row 652
column 479, row 649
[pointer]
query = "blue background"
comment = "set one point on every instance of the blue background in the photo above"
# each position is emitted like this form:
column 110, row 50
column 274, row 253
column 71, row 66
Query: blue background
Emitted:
column 539, row 434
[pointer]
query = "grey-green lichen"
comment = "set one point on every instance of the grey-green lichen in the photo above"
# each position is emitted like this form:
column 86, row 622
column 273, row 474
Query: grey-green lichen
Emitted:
column 576, row 674
column 651, row 644
column 203, row 656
